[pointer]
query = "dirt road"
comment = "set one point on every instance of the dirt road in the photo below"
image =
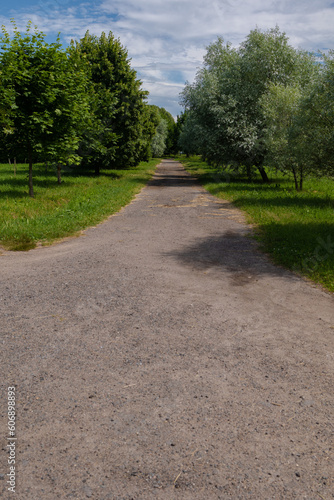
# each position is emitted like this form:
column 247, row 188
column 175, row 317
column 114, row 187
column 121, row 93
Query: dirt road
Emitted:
column 162, row 356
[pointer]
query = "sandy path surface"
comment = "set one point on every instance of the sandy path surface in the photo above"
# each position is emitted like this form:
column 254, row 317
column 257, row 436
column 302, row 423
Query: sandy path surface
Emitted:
column 162, row 356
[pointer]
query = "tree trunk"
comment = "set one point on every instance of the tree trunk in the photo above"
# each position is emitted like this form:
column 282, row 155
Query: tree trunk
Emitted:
column 263, row 173
column 97, row 169
column 249, row 173
column 15, row 167
column 301, row 179
column 59, row 173
column 31, row 189
column 295, row 178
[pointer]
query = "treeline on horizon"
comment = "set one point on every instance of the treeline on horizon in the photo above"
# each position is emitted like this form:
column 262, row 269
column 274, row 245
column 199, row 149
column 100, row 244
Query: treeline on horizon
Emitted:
column 83, row 106
column 264, row 105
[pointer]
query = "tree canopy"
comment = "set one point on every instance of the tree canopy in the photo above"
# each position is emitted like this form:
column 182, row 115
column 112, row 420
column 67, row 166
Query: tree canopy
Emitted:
column 43, row 99
column 163, row 141
column 255, row 105
column 119, row 103
column 81, row 105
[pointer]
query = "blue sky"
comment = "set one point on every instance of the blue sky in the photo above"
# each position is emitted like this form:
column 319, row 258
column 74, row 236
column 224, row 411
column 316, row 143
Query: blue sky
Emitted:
column 166, row 39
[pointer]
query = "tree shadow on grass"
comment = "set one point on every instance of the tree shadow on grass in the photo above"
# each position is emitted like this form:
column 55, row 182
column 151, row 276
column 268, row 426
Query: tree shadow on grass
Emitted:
column 244, row 188
column 303, row 239
column 91, row 174
column 13, row 194
column 111, row 175
column 139, row 180
column 48, row 180
column 305, row 248
column 285, row 202
column 252, row 195
column 23, row 193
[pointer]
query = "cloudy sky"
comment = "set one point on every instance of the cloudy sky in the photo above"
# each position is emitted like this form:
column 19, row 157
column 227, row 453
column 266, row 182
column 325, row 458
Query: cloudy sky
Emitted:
column 166, row 39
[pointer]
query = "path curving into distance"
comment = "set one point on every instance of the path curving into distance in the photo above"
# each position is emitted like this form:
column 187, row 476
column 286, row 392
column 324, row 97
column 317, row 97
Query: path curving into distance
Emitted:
column 162, row 356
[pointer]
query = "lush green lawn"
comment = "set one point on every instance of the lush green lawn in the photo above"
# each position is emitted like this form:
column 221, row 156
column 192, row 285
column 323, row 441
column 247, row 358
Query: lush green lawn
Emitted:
column 296, row 229
column 61, row 210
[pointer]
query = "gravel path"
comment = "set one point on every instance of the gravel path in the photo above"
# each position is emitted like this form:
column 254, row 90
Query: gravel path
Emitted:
column 162, row 356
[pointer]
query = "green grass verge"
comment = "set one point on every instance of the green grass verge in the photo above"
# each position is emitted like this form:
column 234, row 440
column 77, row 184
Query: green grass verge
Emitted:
column 296, row 229
column 57, row 211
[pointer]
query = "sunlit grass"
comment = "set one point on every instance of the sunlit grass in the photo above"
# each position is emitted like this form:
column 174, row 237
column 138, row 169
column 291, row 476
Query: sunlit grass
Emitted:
column 57, row 211
column 295, row 228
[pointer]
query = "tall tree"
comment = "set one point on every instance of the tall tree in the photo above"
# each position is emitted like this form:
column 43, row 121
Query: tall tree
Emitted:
column 190, row 134
column 119, row 102
column 163, row 140
column 158, row 144
column 266, row 58
column 316, row 119
column 225, row 98
column 286, row 125
column 169, row 141
column 43, row 99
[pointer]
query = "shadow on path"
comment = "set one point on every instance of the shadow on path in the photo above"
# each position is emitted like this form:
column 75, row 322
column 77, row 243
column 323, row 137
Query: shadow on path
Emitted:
column 163, row 180
column 230, row 251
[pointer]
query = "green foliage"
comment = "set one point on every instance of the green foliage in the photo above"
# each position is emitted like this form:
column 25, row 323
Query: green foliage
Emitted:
column 120, row 131
column 295, row 228
column 190, row 133
column 163, row 141
column 281, row 106
column 84, row 105
column 256, row 104
column 285, row 131
column 158, row 144
column 316, row 119
column 43, row 99
column 170, row 138
column 98, row 142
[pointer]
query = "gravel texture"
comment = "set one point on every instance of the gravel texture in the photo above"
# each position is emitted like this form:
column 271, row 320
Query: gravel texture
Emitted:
column 162, row 356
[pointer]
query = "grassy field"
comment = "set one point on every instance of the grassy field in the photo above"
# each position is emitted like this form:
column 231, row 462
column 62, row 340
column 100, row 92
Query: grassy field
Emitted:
column 296, row 229
column 57, row 211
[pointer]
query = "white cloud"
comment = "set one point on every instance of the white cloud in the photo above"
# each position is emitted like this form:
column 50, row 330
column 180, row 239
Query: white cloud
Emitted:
column 166, row 39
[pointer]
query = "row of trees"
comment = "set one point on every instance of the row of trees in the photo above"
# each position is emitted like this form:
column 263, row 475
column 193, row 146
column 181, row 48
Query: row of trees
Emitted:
column 263, row 103
column 165, row 140
column 83, row 105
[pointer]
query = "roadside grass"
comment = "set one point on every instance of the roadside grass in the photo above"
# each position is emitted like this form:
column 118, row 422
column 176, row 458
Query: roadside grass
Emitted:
column 58, row 211
column 295, row 228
